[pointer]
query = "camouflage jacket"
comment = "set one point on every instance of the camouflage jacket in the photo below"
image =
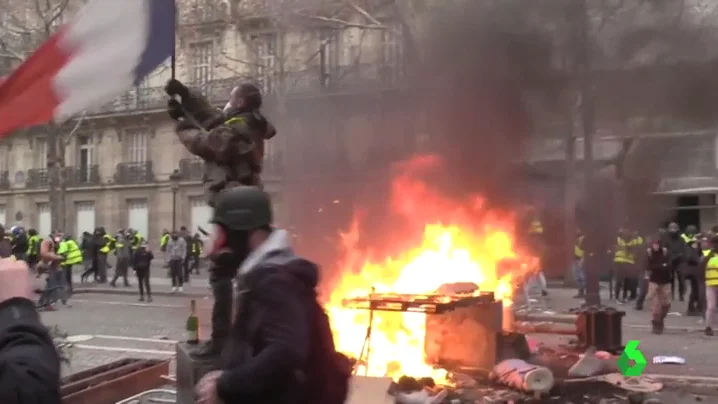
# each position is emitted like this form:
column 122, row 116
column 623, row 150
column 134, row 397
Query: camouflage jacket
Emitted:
column 230, row 144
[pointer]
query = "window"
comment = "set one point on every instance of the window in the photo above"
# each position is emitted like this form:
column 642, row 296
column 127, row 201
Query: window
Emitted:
column 391, row 45
column 266, row 53
column 4, row 158
column 328, row 55
column 40, row 153
column 85, row 157
column 136, row 146
column 201, row 59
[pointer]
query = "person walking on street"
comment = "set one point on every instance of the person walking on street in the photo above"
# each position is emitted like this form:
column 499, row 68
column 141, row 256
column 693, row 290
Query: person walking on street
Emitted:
column 624, row 261
column 73, row 256
column 578, row 272
column 107, row 247
column 659, row 278
column 33, row 248
column 709, row 265
column 186, row 263
column 694, row 276
column 142, row 262
column 123, row 254
column 29, row 360
column 176, row 254
column 50, row 262
column 676, row 247
column 88, row 252
column 197, row 248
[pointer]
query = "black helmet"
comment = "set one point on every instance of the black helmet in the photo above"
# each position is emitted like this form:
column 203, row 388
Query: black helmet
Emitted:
column 243, row 208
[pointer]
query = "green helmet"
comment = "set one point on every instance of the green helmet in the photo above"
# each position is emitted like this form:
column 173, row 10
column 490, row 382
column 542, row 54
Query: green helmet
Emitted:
column 243, row 208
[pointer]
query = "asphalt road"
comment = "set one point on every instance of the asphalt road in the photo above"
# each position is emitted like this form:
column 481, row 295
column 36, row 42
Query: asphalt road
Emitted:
column 113, row 326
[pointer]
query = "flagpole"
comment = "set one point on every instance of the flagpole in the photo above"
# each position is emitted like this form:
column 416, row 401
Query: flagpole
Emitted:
column 173, row 58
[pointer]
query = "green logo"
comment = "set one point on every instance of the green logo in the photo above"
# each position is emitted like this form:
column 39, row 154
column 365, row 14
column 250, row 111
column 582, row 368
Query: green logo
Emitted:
column 632, row 353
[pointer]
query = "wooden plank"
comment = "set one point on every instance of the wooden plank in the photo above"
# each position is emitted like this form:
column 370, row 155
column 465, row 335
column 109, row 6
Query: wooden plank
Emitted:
column 370, row 390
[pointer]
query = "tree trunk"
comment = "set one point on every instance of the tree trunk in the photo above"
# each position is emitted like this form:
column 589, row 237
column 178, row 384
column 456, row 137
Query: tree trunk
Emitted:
column 56, row 180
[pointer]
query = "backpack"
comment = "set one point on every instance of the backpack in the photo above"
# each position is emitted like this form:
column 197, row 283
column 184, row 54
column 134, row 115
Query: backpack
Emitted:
column 328, row 372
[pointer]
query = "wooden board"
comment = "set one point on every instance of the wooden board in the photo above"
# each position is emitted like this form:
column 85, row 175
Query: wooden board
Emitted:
column 370, row 390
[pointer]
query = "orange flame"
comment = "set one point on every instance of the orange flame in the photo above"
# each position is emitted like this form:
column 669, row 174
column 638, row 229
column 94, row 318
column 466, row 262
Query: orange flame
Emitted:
column 462, row 242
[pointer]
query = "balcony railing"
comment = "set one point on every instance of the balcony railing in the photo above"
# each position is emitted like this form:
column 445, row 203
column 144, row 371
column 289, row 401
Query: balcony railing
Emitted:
column 191, row 169
column 134, row 173
column 37, row 178
column 4, row 180
column 82, row 176
column 204, row 12
column 359, row 78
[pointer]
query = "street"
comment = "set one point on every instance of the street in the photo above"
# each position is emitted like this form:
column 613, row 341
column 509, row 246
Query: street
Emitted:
column 105, row 327
column 683, row 336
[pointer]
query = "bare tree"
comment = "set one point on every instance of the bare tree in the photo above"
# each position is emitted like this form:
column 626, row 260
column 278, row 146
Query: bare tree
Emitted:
column 25, row 26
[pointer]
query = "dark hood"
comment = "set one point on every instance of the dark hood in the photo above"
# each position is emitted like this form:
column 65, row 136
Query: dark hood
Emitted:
column 277, row 254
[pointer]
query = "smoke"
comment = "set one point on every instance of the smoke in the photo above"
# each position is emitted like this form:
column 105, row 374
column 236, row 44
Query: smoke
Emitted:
column 483, row 63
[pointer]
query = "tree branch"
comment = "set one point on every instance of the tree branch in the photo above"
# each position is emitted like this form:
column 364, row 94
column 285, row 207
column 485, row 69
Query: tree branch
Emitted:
column 80, row 120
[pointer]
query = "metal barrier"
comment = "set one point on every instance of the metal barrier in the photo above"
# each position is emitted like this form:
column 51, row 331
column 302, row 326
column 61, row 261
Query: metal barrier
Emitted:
column 144, row 394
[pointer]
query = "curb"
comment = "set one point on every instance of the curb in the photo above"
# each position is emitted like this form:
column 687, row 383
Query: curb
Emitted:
column 133, row 292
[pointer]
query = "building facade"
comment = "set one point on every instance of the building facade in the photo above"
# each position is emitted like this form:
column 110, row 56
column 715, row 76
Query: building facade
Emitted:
column 117, row 159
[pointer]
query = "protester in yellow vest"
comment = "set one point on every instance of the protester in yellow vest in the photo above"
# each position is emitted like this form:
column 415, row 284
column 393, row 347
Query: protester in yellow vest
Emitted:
column 578, row 271
column 107, row 248
column 624, row 264
column 537, row 244
column 710, row 266
column 33, row 248
column 72, row 256
column 164, row 239
column 690, row 235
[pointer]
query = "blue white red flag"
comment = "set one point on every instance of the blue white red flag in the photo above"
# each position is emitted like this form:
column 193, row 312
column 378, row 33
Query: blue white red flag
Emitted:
column 110, row 46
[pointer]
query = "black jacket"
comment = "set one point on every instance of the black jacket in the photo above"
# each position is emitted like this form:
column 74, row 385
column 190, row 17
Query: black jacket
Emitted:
column 29, row 362
column 271, row 335
column 658, row 267
column 676, row 248
column 142, row 259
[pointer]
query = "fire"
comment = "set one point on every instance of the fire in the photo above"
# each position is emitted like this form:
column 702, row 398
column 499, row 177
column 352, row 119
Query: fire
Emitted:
column 462, row 242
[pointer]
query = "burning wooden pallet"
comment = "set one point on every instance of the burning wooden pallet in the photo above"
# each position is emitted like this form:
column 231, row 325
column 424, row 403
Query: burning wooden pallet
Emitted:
column 428, row 303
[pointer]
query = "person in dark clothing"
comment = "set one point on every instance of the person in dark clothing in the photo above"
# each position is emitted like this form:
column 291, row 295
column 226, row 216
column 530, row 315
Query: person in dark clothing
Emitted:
column 271, row 334
column 694, row 277
column 19, row 243
column 231, row 143
column 94, row 243
column 676, row 247
column 5, row 244
column 660, row 275
column 141, row 262
column 197, row 247
column 186, row 267
column 29, row 361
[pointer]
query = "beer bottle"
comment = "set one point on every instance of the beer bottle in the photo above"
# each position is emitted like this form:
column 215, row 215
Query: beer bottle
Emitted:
column 192, row 324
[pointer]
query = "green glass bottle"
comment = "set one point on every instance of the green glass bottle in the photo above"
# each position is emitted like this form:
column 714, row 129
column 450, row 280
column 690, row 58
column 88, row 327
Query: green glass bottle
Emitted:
column 192, row 324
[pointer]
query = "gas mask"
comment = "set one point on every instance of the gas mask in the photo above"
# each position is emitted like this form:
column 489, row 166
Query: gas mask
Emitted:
column 227, row 250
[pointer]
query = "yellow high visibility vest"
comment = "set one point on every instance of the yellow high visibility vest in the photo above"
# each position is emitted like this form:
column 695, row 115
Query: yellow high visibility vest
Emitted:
column 712, row 270
column 536, row 227
column 623, row 255
column 688, row 239
column 578, row 248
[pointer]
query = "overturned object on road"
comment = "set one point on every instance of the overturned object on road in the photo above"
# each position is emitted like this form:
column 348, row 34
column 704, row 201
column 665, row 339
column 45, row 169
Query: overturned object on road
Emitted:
column 523, row 376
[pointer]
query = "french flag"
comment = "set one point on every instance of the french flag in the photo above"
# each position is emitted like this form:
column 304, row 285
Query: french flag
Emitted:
column 110, row 46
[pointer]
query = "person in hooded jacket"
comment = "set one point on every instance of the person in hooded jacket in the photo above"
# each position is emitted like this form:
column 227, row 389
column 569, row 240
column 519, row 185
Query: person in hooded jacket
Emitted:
column 270, row 338
column 676, row 247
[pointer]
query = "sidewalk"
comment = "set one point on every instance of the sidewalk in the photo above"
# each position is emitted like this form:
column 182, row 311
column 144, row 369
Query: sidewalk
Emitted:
column 198, row 287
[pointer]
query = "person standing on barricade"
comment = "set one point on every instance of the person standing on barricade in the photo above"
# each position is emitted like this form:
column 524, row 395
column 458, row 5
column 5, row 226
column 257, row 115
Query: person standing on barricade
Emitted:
column 231, row 143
